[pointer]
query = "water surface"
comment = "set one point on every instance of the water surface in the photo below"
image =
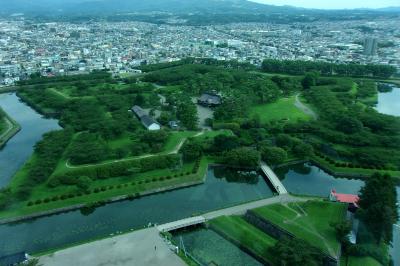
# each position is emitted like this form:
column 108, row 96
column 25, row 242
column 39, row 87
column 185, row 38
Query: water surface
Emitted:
column 308, row 179
column 64, row 229
column 389, row 102
column 20, row 147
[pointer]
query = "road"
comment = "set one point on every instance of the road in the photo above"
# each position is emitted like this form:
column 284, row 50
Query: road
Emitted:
column 142, row 247
column 304, row 107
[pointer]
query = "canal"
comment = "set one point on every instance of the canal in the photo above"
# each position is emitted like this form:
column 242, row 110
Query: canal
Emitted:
column 63, row 229
column 20, row 147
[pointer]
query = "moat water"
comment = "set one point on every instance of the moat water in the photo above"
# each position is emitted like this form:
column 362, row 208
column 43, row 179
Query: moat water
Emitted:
column 19, row 148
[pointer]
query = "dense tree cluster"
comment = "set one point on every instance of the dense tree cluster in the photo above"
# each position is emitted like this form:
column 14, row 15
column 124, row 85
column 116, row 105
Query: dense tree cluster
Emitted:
column 87, row 148
column 117, row 169
column 294, row 252
column 48, row 152
column 297, row 67
column 241, row 157
column 97, row 75
column 378, row 208
column 187, row 114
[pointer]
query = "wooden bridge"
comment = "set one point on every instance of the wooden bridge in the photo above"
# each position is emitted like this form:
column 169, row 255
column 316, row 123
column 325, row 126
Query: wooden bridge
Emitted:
column 273, row 179
column 181, row 223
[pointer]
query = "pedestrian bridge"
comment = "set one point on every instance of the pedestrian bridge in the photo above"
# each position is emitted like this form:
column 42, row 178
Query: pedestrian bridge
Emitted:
column 273, row 179
column 181, row 223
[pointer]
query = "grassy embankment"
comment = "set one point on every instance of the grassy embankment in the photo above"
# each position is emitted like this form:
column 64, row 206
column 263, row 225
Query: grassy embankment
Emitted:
column 310, row 221
column 8, row 128
column 243, row 234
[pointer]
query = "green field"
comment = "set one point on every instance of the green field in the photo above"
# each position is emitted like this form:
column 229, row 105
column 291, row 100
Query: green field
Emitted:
column 360, row 261
column 283, row 109
column 309, row 221
column 243, row 233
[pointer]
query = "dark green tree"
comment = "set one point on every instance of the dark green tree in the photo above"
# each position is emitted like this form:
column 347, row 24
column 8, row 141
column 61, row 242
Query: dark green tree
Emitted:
column 378, row 208
column 191, row 151
column 187, row 114
column 295, row 252
column 242, row 157
column 273, row 155
column 83, row 183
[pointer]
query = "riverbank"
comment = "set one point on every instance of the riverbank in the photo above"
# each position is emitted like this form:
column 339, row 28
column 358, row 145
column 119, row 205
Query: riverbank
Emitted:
column 352, row 173
column 12, row 128
column 106, row 201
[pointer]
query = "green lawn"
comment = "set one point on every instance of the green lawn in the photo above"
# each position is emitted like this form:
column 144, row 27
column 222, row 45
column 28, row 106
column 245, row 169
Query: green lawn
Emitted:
column 284, row 108
column 243, row 233
column 123, row 141
column 175, row 139
column 309, row 221
column 360, row 261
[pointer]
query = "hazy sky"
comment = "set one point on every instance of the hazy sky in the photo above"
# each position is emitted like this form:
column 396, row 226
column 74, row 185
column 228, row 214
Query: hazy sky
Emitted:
column 332, row 4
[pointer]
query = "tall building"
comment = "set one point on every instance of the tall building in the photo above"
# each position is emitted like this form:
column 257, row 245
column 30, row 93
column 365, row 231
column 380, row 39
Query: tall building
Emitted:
column 370, row 46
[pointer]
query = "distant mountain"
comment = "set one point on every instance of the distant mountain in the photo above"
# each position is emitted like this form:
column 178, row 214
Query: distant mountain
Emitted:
column 110, row 6
column 193, row 11
column 390, row 9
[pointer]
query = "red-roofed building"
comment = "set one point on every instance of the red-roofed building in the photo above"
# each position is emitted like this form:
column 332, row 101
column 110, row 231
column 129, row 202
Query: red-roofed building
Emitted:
column 352, row 200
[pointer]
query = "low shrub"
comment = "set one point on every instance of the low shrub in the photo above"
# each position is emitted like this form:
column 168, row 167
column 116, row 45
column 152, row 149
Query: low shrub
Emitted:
column 55, row 198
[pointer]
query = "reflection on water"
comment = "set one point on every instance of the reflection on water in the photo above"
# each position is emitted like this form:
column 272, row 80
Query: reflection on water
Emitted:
column 236, row 175
column 307, row 179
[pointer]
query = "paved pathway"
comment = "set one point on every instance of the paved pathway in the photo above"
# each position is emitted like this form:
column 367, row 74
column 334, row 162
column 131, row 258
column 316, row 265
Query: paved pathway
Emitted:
column 304, row 107
column 139, row 248
column 275, row 181
column 181, row 223
column 241, row 209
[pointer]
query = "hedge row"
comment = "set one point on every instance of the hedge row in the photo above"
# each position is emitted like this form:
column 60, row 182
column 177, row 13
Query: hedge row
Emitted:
column 117, row 169
column 353, row 165
column 105, row 188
